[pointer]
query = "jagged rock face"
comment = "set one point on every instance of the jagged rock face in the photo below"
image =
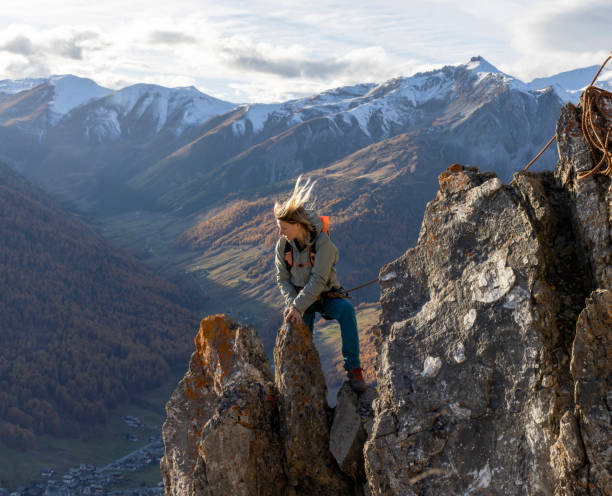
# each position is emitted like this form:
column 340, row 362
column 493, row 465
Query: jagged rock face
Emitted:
column 305, row 416
column 592, row 197
column 584, row 464
column 220, row 435
column 582, row 455
column 234, row 429
column 463, row 346
column 591, row 369
column 478, row 321
column 353, row 417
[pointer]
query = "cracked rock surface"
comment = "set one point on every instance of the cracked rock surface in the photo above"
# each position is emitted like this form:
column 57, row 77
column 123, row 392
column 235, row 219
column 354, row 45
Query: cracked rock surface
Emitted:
column 489, row 381
column 219, row 435
column 234, row 427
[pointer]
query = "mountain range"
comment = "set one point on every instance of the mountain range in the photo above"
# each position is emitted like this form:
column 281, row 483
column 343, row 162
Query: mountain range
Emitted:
column 186, row 183
column 186, row 180
column 165, row 145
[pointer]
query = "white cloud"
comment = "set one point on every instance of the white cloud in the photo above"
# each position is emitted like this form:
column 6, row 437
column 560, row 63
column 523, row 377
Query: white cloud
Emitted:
column 282, row 73
column 170, row 37
column 26, row 51
column 266, row 51
column 20, row 44
column 560, row 36
column 371, row 63
column 575, row 27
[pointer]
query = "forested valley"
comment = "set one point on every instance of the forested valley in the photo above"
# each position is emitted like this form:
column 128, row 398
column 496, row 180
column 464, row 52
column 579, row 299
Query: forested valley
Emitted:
column 82, row 324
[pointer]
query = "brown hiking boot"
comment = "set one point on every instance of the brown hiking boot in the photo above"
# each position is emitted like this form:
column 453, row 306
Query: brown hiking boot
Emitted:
column 356, row 381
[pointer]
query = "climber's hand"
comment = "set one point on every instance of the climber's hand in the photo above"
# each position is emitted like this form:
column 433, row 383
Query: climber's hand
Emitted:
column 293, row 316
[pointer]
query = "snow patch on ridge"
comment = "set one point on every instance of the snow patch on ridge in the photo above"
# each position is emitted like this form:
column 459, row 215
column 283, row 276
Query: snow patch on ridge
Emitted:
column 70, row 92
column 569, row 85
column 362, row 115
column 480, row 65
column 187, row 106
column 259, row 114
column 13, row 86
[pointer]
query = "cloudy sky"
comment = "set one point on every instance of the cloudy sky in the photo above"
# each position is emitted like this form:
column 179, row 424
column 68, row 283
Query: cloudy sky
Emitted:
column 260, row 50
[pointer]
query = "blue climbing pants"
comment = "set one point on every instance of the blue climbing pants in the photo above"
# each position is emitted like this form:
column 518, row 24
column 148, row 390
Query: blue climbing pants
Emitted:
column 342, row 310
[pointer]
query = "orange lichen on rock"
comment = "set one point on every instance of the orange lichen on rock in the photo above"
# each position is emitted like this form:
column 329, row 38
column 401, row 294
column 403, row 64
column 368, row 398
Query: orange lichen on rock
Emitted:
column 451, row 182
column 218, row 414
column 456, row 168
column 214, row 344
column 189, row 392
column 454, row 180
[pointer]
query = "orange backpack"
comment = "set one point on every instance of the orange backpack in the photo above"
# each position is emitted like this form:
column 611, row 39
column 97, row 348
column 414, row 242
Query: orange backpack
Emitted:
column 312, row 251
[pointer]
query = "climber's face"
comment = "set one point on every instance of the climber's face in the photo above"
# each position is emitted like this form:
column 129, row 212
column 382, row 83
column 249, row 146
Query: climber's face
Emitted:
column 289, row 230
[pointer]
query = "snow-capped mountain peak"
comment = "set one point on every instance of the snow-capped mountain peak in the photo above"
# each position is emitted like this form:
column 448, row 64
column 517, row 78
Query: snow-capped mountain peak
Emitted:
column 161, row 103
column 71, row 92
column 39, row 104
column 145, row 109
column 391, row 104
column 483, row 69
column 478, row 64
column 570, row 84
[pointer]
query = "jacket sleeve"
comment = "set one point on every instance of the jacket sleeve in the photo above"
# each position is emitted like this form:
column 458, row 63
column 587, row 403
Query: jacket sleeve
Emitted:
column 283, row 276
column 325, row 258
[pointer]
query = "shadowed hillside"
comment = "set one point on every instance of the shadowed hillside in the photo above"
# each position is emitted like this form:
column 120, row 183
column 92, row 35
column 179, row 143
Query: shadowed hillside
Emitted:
column 82, row 325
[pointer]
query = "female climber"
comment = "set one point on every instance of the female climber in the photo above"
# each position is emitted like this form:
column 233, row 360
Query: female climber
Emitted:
column 306, row 275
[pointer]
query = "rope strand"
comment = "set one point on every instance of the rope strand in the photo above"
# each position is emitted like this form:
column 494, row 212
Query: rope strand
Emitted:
column 596, row 106
column 347, row 291
column 539, row 154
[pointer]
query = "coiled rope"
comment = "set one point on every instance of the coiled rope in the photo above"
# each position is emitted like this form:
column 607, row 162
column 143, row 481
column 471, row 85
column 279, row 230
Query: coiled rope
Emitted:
column 596, row 127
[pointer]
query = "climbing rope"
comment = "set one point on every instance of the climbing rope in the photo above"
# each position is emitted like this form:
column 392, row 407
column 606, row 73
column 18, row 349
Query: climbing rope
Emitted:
column 596, row 113
column 596, row 125
column 540, row 154
column 346, row 292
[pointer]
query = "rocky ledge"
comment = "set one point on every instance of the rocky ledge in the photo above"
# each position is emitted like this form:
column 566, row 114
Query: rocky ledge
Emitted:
column 494, row 361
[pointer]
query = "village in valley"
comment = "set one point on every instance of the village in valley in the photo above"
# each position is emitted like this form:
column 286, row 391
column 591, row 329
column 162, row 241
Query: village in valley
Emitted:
column 89, row 480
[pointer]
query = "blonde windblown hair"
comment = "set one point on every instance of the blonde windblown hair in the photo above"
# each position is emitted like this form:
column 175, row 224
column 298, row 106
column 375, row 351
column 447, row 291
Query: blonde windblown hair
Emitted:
column 292, row 210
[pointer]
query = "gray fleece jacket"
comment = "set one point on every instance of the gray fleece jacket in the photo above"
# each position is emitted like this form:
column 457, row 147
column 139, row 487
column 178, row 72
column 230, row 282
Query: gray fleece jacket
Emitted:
column 302, row 286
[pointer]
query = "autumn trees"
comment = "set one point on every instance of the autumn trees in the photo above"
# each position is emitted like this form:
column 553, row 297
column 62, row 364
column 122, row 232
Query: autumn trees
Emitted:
column 82, row 325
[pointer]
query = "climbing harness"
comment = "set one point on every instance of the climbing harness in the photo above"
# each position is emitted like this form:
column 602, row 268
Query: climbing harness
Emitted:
column 596, row 106
column 334, row 293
